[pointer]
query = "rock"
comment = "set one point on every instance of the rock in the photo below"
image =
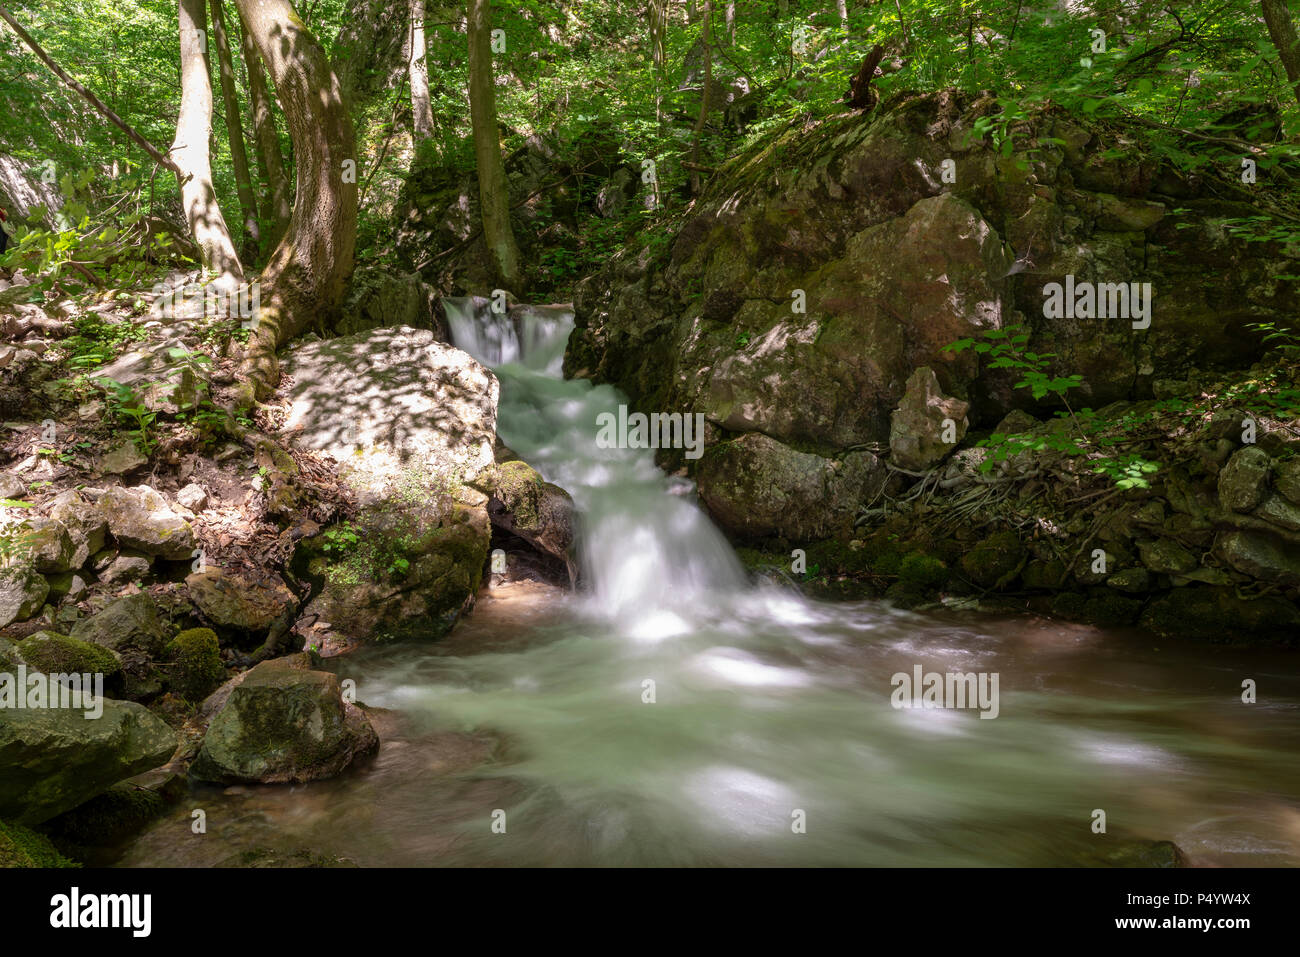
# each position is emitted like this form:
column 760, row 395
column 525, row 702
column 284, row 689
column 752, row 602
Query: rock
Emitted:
column 1243, row 480
column 51, row 548
column 128, row 566
column 22, row 593
column 1131, row 581
column 129, row 622
column 1016, row 422
column 23, row 847
column 193, row 497
column 846, row 209
column 1165, row 556
column 68, row 585
column 397, row 569
column 755, row 487
column 1217, row 614
column 164, row 376
column 53, row 759
column 51, row 653
column 416, row 410
column 122, row 459
column 377, row 298
column 140, row 518
column 1288, row 480
column 197, row 668
column 84, row 522
column 237, row 604
column 281, row 724
column 11, row 486
column 1276, row 510
column 1135, row 853
column 10, row 656
column 922, row 420
column 1261, row 556
column 996, row 561
column 537, row 511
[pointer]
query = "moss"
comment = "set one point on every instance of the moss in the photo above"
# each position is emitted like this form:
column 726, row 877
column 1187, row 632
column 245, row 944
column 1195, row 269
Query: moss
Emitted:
column 22, row 847
column 1069, row 605
column 995, row 561
column 922, row 572
column 757, row 560
column 197, row 667
column 51, row 653
column 118, row 813
column 833, row 557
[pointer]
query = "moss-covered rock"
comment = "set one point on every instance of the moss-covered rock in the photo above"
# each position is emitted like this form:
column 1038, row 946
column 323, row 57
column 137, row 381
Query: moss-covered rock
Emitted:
column 922, row 572
column 1219, row 614
column 196, row 660
column 132, row 622
column 995, row 561
column 55, row 759
column 23, row 847
column 122, row 810
column 282, row 723
column 398, row 570
column 52, row 654
column 524, row 504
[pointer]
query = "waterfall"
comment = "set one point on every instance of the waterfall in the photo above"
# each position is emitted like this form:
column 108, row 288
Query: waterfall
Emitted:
column 650, row 555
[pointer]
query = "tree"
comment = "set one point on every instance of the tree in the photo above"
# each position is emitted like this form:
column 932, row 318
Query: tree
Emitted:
column 305, row 277
column 190, row 150
column 421, row 110
column 1282, row 31
column 275, row 204
column 155, row 154
column 493, row 194
column 235, row 131
column 705, row 92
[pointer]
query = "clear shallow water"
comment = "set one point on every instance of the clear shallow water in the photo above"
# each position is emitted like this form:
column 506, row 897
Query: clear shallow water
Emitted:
column 767, row 706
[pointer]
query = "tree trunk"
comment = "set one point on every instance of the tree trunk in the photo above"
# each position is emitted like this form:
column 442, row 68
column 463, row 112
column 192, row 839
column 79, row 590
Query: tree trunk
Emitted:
column 275, row 203
column 421, row 110
column 705, row 93
column 731, row 22
column 235, row 131
column 1282, row 30
column 190, row 150
column 842, row 7
column 305, row 277
column 493, row 194
column 155, row 154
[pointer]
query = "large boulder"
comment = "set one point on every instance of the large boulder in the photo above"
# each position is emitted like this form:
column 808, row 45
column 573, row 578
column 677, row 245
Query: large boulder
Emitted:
column 757, row 488
column 238, row 604
column 131, row 622
column 397, row 569
column 896, row 260
column 524, row 504
column 52, row 654
column 283, row 724
column 141, row 519
column 53, row 759
column 416, row 410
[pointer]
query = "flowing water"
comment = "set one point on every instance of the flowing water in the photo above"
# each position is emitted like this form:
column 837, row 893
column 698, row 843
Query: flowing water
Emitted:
column 672, row 712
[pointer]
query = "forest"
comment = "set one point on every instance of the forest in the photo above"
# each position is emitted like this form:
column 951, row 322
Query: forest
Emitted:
column 681, row 433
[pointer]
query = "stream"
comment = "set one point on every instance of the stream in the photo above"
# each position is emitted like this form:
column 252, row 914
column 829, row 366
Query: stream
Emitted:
column 672, row 712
